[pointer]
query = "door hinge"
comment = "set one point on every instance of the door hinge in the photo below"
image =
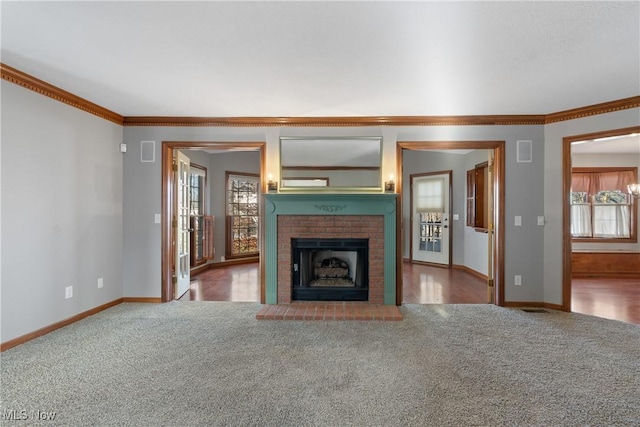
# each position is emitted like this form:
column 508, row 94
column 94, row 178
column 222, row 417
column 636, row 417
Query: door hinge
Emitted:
column 174, row 280
column 174, row 167
column 490, row 283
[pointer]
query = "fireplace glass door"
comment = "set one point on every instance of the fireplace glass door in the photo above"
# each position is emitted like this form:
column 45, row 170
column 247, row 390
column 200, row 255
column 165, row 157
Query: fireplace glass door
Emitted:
column 330, row 269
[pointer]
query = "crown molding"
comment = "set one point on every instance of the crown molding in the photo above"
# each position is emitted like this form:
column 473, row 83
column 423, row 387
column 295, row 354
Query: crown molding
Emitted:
column 336, row 121
column 593, row 110
column 29, row 82
column 43, row 88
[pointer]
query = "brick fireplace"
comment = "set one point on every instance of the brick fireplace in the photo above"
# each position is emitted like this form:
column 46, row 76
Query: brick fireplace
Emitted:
column 369, row 227
column 330, row 216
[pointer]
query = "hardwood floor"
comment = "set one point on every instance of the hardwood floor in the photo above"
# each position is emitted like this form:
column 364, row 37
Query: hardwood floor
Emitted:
column 238, row 283
column 422, row 285
column 608, row 297
column 434, row 285
column 611, row 298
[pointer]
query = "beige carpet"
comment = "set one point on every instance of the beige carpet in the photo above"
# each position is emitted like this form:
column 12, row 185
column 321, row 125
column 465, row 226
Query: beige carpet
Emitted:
column 208, row 363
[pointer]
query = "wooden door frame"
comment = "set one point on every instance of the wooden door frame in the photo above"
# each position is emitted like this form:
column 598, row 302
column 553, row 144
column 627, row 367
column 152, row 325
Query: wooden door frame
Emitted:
column 167, row 287
column 418, row 175
column 498, row 148
column 566, row 203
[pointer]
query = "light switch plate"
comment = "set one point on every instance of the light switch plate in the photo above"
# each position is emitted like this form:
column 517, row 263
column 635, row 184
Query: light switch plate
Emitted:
column 540, row 220
column 456, row 217
column 518, row 221
column 157, row 218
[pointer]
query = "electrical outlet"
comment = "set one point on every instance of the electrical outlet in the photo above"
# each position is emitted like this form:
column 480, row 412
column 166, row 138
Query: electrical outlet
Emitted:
column 222, row 258
column 68, row 292
column 518, row 280
column 100, row 282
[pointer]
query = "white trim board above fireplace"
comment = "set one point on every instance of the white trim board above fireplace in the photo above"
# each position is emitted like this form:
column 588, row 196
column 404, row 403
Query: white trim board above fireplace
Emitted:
column 329, row 205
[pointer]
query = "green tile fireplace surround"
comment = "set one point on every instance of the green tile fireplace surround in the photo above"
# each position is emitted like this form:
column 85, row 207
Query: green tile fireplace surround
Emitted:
column 329, row 204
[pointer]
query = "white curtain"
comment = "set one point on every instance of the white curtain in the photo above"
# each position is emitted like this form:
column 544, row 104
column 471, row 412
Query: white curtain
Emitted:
column 611, row 221
column 430, row 195
column 581, row 220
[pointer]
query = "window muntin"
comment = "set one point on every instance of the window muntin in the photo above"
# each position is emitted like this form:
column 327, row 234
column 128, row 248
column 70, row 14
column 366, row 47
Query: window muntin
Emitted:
column 600, row 208
column 197, row 181
column 197, row 184
column 242, row 214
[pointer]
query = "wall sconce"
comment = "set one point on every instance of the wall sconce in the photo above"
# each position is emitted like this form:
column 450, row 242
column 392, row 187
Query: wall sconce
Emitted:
column 634, row 190
column 390, row 186
column 272, row 186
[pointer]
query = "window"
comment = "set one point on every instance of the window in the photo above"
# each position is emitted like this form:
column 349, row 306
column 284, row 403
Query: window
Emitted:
column 201, row 224
column 429, row 205
column 197, row 183
column 242, row 214
column 600, row 208
column 477, row 197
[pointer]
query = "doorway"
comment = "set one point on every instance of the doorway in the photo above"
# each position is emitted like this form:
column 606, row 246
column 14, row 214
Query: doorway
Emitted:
column 168, row 288
column 600, row 259
column 495, row 276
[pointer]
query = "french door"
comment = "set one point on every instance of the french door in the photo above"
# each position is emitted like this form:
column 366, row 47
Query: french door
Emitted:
column 182, row 226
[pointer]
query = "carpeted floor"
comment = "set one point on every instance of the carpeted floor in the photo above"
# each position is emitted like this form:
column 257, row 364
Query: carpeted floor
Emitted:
column 213, row 363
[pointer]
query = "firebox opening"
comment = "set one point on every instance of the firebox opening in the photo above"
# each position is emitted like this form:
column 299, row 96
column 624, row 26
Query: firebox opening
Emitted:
column 330, row 269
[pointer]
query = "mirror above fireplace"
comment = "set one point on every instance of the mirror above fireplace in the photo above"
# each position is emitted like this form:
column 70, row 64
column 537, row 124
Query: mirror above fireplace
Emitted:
column 330, row 164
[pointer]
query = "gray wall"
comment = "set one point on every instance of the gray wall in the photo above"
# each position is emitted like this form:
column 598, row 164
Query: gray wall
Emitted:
column 61, row 211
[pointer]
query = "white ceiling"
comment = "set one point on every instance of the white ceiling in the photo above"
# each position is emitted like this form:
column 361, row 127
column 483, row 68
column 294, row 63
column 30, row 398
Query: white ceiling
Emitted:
column 625, row 144
column 305, row 59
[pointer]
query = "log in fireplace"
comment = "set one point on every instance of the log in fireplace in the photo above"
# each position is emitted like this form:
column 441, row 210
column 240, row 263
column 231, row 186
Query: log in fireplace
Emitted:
column 330, row 269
